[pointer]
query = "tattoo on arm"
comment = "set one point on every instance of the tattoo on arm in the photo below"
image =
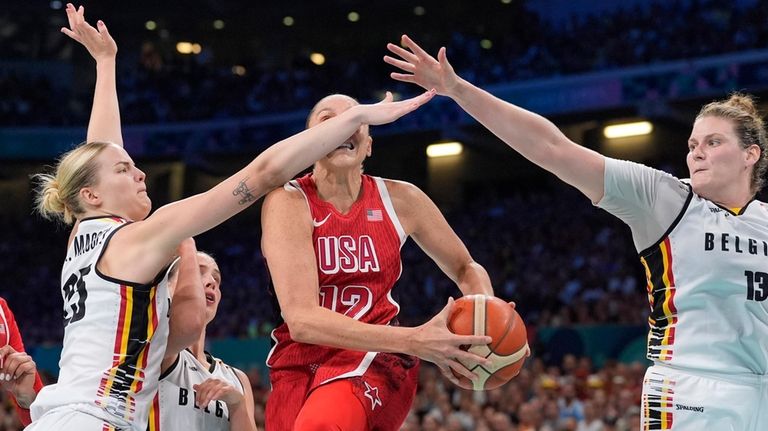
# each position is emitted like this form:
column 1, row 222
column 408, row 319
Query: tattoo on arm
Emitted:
column 242, row 189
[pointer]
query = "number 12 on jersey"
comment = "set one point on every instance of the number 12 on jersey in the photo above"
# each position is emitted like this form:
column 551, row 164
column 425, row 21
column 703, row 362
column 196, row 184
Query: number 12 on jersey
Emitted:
column 352, row 301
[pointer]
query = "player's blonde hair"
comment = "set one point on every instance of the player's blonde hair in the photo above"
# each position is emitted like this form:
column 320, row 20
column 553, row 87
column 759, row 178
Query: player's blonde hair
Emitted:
column 57, row 193
column 749, row 126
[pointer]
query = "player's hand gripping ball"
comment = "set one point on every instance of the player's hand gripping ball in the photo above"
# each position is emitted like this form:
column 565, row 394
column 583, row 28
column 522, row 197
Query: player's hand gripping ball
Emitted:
column 491, row 316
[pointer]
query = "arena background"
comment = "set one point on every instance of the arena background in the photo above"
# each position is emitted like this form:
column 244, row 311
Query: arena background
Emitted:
column 252, row 72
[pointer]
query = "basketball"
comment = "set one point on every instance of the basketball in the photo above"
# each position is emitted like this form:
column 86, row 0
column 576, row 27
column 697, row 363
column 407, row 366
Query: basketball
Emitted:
column 488, row 315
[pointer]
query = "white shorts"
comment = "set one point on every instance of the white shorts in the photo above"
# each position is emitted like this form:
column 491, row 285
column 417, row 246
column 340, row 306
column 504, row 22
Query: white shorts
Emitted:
column 674, row 399
column 70, row 418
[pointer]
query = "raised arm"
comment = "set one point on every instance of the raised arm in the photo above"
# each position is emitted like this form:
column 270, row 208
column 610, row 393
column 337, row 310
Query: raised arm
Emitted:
column 287, row 246
column 145, row 245
column 187, row 320
column 530, row 134
column 104, row 124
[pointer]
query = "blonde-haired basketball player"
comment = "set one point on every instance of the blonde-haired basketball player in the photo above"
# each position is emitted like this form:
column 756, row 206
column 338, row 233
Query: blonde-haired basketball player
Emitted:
column 114, row 284
column 703, row 242
column 332, row 243
column 197, row 391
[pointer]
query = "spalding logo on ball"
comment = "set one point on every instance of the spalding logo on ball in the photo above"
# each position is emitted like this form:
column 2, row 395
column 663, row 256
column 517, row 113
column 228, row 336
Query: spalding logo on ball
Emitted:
column 491, row 316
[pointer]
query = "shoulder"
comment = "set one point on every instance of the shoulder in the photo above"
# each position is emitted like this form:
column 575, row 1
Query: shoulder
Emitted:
column 285, row 197
column 404, row 193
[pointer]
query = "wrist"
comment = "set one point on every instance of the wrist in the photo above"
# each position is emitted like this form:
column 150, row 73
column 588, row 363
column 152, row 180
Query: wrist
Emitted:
column 24, row 398
column 107, row 61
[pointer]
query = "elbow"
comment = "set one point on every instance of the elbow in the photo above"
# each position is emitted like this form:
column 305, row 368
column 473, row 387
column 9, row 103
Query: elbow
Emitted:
column 270, row 174
column 300, row 330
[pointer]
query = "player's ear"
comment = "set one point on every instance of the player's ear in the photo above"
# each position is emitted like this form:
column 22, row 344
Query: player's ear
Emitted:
column 369, row 150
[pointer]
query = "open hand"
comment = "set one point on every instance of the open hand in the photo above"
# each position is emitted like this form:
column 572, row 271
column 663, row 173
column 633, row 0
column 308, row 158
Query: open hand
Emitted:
column 421, row 68
column 98, row 42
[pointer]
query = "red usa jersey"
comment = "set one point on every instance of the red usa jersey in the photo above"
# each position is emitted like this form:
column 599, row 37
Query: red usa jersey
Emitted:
column 358, row 263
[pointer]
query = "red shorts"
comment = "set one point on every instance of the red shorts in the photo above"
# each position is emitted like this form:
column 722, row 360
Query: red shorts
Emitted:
column 380, row 399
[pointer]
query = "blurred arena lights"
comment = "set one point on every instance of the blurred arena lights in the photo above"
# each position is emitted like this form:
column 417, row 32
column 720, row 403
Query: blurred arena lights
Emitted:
column 486, row 44
column 288, row 21
column 317, row 58
column 150, row 25
column 218, row 24
column 444, row 149
column 188, row 48
column 419, row 11
column 238, row 70
column 56, row 4
column 353, row 16
column 625, row 130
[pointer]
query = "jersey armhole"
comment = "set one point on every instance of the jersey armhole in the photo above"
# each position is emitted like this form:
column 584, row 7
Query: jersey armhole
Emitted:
column 386, row 199
column 170, row 369
column 672, row 227
column 135, row 285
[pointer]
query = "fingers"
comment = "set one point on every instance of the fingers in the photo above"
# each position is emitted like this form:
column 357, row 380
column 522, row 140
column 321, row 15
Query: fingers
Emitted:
column 474, row 340
column 413, row 46
column 404, row 65
column 15, row 365
column 461, row 369
column 446, row 371
column 403, row 77
column 402, row 53
column 388, row 97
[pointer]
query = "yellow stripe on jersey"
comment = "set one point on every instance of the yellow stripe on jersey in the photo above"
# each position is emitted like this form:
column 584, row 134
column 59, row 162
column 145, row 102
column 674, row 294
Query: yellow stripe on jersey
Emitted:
column 661, row 296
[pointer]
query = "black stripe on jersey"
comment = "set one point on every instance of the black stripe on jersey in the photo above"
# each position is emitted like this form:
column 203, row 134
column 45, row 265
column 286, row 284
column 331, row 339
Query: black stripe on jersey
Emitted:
column 672, row 226
column 655, row 262
column 741, row 211
column 137, row 287
column 137, row 342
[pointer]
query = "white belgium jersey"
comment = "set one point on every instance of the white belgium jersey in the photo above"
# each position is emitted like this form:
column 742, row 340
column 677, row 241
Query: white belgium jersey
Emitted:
column 707, row 274
column 115, row 333
column 174, row 406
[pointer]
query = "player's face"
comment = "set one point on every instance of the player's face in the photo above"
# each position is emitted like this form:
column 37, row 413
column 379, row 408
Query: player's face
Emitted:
column 211, row 277
column 355, row 149
column 120, row 188
column 715, row 158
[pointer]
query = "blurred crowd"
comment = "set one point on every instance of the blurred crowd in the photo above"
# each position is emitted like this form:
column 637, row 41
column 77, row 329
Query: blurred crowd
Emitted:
column 573, row 395
column 158, row 87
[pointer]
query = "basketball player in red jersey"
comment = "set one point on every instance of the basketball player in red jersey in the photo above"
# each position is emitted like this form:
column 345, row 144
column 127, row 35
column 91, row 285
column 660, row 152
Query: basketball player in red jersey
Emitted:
column 332, row 242
column 18, row 374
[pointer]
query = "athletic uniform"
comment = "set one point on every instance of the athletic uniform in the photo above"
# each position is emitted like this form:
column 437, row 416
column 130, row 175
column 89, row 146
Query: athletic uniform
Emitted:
column 10, row 335
column 115, row 334
column 358, row 259
column 174, row 405
column 707, row 287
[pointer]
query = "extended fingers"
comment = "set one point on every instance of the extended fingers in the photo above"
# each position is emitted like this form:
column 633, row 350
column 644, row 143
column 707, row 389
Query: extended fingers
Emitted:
column 403, row 53
column 446, row 372
column 461, row 369
column 404, row 65
column 460, row 340
column 414, row 47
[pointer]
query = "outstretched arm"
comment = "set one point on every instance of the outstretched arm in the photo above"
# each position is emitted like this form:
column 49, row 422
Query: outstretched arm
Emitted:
column 287, row 246
column 104, row 124
column 146, row 246
column 530, row 134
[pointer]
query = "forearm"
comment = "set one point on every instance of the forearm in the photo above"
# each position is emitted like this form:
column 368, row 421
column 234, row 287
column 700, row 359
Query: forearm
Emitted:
column 290, row 156
column 240, row 419
column 327, row 328
column 530, row 134
column 473, row 278
column 104, row 124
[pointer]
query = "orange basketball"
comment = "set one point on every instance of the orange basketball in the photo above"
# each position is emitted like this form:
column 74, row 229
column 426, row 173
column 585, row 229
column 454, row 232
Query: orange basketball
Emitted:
column 488, row 315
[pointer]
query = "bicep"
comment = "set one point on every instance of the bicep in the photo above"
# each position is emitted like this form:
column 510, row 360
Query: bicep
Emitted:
column 431, row 231
column 287, row 247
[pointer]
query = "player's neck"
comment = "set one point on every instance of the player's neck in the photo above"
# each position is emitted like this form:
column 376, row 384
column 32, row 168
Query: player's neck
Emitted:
column 340, row 188
column 198, row 349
